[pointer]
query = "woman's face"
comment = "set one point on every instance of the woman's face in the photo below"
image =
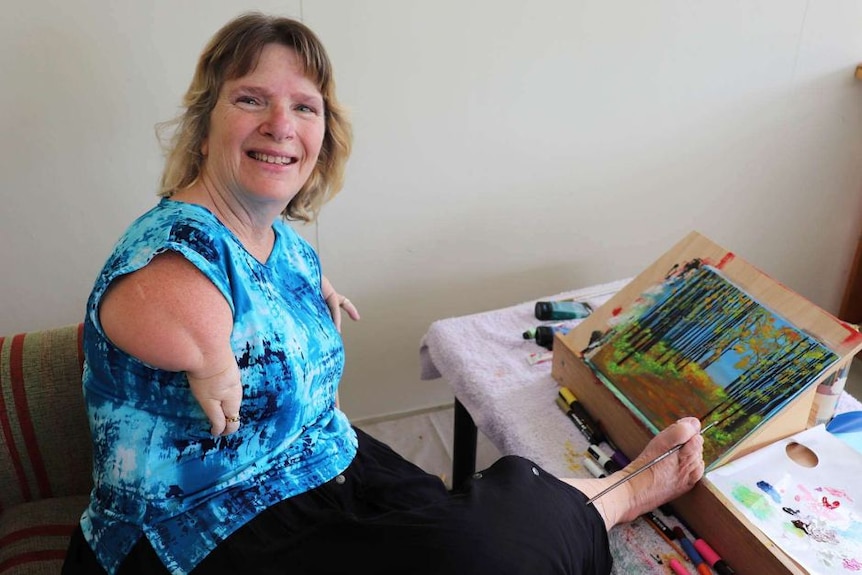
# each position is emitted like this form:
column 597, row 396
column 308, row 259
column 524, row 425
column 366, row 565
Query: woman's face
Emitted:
column 265, row 131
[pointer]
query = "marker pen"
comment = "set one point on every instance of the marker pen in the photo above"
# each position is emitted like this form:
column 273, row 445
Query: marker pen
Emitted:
column 678, row 568
column 604, row 460
column 582, row 426
column 669, row 511
column 595, row 435
column 594, row 468
column 663, row 530
column 618, row 456
column 688, row 547
column 710, row 556
column 661, row 525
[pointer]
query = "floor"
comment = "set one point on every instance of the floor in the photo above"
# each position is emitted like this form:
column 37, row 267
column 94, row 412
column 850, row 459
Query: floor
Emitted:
column 425, row 437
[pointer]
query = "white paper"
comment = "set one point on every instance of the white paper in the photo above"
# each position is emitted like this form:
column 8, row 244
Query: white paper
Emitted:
column 812, row 513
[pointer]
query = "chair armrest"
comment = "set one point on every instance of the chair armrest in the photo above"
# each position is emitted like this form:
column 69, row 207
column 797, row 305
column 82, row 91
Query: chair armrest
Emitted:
column 45, row 446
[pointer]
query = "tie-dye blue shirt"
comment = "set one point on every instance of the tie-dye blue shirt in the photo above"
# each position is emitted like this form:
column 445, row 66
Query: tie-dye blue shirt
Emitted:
column 158, row 472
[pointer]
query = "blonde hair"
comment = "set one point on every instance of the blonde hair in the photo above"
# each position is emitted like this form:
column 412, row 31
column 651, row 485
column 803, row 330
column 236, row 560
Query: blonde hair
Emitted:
column 233, row 52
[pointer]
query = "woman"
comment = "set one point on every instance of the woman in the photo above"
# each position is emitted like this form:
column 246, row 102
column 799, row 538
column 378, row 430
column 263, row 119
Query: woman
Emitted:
column 213, row 357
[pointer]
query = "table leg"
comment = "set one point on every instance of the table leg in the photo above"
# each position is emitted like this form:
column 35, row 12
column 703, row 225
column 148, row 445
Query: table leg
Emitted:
column 464, row 447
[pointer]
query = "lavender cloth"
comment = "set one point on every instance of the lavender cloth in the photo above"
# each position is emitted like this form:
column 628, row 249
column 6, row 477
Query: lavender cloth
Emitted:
column 484, row 358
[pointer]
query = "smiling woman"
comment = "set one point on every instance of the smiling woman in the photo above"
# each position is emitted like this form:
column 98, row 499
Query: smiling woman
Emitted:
column 233, row 54
column 213, row 357
column 211, row 337
column 264, row 138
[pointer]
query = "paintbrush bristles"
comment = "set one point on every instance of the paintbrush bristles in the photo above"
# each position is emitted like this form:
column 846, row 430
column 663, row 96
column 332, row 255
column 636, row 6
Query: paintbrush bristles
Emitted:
column 637, row 472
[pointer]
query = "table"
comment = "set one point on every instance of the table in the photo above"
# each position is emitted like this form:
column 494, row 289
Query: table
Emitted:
column 484, row 358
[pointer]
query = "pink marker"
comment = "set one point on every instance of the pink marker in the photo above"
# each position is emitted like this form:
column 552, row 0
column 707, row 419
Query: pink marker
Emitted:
column 678, row 568
column 710, row 556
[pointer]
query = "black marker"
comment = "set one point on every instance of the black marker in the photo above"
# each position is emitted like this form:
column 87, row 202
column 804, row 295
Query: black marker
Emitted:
column 582, row 426
column 604, row 460
column 585, row 422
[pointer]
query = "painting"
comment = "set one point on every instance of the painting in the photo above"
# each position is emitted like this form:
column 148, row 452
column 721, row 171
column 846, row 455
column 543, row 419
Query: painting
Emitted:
column 808, row 506
column 697, row 345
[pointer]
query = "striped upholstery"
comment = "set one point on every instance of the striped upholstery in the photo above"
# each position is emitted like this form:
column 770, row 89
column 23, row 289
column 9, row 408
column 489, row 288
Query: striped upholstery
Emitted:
column 45, row 449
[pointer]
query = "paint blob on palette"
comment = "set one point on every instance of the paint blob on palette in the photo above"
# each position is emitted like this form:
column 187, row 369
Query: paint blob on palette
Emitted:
column 810, row 506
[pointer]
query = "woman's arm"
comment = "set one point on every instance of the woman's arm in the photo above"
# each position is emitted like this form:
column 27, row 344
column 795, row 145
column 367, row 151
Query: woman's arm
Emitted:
column 170, row 316
column 335, row 301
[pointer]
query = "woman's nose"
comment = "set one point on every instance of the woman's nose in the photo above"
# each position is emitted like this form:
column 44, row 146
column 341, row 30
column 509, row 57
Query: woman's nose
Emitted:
column 279, row 125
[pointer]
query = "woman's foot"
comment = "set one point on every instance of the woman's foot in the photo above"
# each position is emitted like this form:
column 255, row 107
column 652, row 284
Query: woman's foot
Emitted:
column 671, row 477
column 663, row 482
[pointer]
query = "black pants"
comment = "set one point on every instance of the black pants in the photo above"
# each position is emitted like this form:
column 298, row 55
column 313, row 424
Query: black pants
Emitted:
column 385, row 515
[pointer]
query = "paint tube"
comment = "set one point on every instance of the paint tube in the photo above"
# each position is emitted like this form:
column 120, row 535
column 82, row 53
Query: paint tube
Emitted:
column 531, row 333
column 556, row 310
column 545, row 334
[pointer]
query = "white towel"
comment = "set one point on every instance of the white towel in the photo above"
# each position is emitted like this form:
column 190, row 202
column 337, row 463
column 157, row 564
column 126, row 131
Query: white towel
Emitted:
column 484, row 357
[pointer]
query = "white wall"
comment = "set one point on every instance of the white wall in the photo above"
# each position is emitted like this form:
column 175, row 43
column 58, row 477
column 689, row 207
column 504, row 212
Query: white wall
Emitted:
column 504, row 151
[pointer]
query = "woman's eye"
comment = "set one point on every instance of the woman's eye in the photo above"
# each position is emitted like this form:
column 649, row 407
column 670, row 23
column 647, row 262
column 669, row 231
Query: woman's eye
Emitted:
column 250, row 100
column 306, row 109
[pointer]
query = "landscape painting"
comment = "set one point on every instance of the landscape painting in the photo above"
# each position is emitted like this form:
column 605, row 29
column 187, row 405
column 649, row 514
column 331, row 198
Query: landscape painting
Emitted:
column 697, row 345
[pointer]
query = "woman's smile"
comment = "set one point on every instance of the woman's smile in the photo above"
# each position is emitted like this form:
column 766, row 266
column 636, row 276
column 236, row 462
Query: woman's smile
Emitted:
column 266, row 132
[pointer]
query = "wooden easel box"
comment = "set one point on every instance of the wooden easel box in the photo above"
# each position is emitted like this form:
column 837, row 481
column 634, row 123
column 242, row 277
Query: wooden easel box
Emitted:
column 741, row 544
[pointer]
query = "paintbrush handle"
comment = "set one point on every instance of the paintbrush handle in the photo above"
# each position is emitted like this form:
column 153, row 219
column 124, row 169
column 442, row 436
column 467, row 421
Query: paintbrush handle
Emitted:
column 637, row 472
column 634, row 474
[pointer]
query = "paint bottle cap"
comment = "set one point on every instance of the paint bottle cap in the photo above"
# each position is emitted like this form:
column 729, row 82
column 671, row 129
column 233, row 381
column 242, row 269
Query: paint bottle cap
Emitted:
column 545, row 336
column 544, row 310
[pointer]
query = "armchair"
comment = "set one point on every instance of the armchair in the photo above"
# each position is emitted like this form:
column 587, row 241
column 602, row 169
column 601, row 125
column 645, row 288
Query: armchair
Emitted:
column 45, row 448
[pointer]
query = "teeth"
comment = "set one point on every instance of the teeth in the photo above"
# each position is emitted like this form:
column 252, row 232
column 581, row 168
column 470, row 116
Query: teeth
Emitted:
column 282, row 160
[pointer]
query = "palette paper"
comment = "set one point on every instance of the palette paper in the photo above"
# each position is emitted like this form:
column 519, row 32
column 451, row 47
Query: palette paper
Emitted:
column 812, row 513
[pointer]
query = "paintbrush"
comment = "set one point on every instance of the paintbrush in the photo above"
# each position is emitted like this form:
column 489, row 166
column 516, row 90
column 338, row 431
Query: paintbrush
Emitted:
column 667, row 453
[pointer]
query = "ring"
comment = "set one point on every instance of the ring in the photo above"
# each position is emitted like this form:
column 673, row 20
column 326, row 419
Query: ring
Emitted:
column 231, row 418
column 344, row 301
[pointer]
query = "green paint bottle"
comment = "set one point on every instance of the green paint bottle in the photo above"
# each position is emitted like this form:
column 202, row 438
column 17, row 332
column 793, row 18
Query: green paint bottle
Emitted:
column 555, row 310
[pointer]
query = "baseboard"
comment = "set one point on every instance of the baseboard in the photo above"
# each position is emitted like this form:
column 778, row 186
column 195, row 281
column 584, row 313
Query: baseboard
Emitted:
column 401, row 414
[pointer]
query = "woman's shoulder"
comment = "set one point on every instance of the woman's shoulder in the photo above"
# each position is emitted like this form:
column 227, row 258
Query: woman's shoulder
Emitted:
column 151, row 312
column 178, row 223
column 173, row 252
column 188, row 229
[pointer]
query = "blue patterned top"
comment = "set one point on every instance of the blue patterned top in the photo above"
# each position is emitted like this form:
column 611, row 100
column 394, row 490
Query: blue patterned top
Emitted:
column 158, row 472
